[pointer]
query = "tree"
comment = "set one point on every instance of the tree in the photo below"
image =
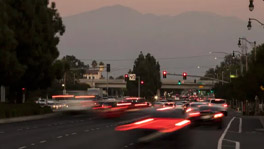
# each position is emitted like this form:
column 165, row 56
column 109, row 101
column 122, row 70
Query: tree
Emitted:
column 149, row 71
column 120, row 77
column 101, row 64
column 29, row 48
column 94, row 64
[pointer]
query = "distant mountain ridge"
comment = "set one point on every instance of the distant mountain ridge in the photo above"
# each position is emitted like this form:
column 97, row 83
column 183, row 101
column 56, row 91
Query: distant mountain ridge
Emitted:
column 118, row 32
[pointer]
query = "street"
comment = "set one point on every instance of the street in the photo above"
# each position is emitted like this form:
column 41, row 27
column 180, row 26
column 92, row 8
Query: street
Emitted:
column 88, row 131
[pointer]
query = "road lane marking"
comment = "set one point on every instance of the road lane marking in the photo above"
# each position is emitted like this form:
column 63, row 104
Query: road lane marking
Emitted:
column 1, row 132
column 236, row 142
column 22, row 147
column 220, row 141
column 43, row 141
column 86, row 130
column 32, row 144
column 59, row 137
column 240, row 125
column 74, row 133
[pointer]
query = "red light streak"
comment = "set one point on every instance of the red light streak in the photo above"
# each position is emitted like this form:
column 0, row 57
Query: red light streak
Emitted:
column 84, row 97
column 163, row 109
column 141, row 104
column 63, row 96
column 123, row 104
column 194, row 114
column 160, row 124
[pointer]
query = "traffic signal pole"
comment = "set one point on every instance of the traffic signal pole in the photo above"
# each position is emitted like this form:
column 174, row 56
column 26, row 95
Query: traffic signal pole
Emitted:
column 138, row 86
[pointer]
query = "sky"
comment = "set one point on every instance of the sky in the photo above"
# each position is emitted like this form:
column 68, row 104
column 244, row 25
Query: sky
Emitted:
column 237, row 8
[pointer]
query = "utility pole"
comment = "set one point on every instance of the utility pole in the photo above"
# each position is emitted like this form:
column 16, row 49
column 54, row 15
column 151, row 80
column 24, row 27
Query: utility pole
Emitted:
column 138, row 86
column 107, row 83
column 2, row 93
column 222, row 77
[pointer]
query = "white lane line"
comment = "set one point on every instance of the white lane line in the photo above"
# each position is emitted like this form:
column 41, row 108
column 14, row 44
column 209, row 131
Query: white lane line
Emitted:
column 43, row 141
column 22, row 147
column 131, row 144
column 59, row 137
column 236, row 142
column 66, row 135
column 32, row 144
column 86, row 130
column 240, row 125
column 220, row 141
column 74, row 133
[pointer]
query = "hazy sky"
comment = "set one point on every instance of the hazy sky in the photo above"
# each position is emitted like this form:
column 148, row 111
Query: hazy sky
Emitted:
column 238, row 8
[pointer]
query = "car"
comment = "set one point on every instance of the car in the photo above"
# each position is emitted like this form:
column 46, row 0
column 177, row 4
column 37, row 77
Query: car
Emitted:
column 194, row 105
column 221, row 103
column 110, row 108
column 157, row 123
column 207, row 115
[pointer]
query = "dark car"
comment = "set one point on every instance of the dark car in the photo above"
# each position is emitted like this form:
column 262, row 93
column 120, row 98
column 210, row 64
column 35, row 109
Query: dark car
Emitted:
column 206, row 115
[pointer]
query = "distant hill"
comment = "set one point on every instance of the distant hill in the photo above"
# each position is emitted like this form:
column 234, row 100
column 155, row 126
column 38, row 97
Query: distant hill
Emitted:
column 118, row 32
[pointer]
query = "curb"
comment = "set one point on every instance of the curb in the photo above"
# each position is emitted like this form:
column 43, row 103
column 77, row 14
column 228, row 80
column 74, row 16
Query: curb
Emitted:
column 27, row 118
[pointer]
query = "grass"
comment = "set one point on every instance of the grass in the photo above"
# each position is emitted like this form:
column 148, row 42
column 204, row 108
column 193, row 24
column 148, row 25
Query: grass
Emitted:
column 18, row 110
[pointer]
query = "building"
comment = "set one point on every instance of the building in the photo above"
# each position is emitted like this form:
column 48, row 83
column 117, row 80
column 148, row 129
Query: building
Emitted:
column 94, row 73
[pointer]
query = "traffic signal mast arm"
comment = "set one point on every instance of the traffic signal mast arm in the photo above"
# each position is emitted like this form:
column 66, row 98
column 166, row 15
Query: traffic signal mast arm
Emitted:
column 196, row 76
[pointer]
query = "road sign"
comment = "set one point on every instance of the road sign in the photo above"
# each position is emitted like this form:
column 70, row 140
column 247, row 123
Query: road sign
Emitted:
column 132, row 77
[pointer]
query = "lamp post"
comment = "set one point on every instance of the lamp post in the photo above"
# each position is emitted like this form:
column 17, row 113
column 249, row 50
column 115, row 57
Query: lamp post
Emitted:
column 251, row 5
column 243, row 47
column 249, row 26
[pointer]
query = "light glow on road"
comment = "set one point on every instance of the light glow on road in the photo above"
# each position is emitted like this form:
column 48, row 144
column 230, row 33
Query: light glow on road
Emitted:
column 184, row 122
column 144, row 121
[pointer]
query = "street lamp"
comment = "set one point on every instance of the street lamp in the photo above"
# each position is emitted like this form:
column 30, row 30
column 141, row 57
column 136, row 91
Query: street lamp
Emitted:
column 249, row 26
column 251, row 5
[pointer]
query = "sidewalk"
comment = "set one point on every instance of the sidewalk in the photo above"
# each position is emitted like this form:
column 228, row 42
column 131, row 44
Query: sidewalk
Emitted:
column 27, row 118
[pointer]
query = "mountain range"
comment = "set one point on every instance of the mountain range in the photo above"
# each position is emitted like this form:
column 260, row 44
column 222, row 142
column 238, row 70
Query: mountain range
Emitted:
column 116, row 35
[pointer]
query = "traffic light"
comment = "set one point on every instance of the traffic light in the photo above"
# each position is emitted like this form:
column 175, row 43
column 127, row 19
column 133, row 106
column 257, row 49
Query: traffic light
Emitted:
column 23, row 90
column 184, row 75
column 126, row 77
column 141, row 82
column 212, row 91
column 108, row 67
column 179, row 82
column 164, row 74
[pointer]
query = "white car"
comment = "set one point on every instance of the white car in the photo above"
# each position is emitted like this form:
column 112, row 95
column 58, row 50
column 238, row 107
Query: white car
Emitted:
column 219, row 103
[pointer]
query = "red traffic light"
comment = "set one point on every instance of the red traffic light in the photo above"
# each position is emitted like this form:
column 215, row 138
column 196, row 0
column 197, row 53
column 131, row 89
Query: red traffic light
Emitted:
column 184, row 74
column 164, row 74
column 142, row 82
column 23, row 89
column 126, row 75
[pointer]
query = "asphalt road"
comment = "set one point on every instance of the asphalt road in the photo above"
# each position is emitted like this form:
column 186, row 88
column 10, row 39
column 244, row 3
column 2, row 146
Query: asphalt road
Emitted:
column 88, row 131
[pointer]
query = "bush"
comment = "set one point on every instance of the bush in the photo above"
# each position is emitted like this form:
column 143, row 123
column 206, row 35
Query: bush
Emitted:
column 18, row 110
